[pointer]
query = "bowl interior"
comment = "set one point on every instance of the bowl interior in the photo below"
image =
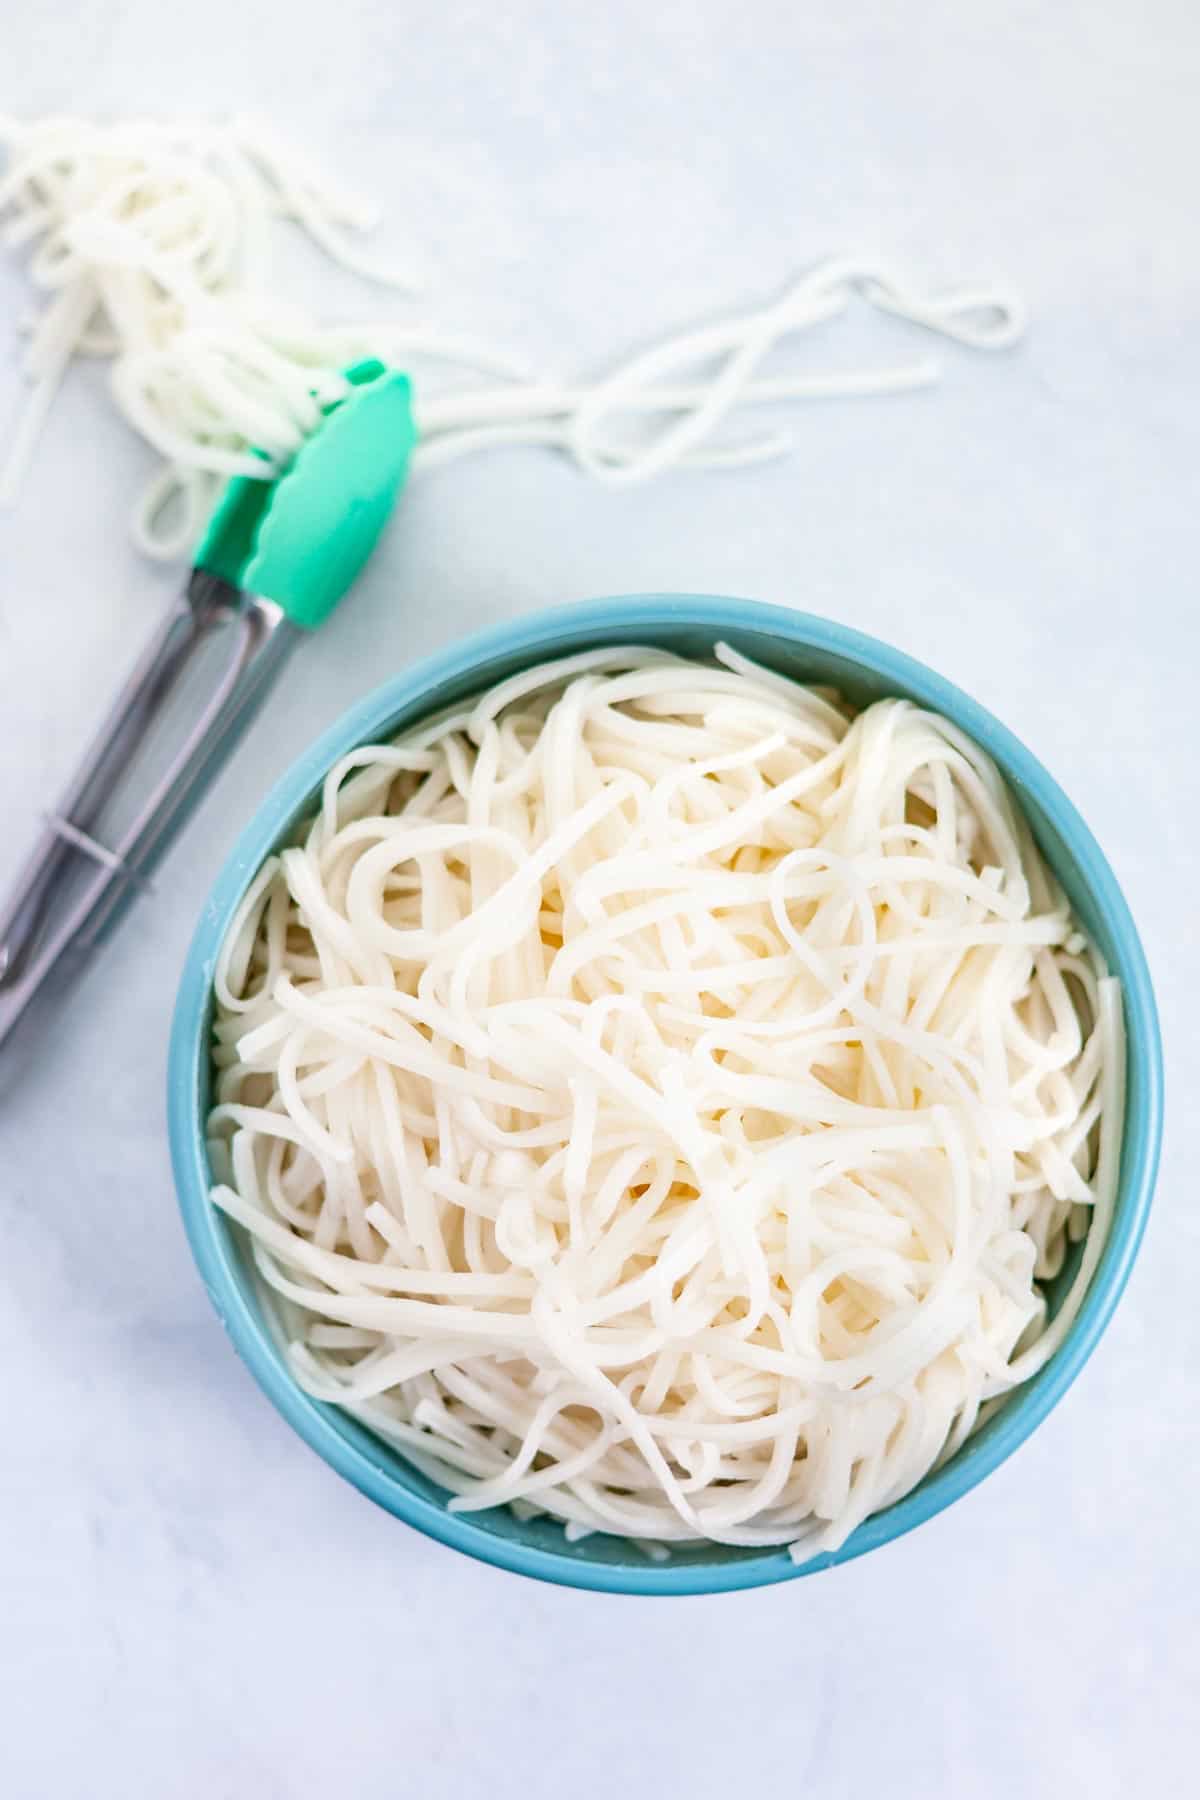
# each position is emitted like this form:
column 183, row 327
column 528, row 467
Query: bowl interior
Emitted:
column 807, row 649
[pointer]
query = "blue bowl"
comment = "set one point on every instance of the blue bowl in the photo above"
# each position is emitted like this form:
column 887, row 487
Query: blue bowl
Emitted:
column 809, row 649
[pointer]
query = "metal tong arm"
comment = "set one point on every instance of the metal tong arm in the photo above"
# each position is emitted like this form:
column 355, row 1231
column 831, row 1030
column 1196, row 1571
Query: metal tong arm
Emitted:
column 31, row 944
column 104, row 762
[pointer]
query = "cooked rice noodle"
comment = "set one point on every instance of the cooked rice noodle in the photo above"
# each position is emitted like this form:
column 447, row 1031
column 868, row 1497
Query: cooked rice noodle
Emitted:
column 150, row 242
column 657, row 1097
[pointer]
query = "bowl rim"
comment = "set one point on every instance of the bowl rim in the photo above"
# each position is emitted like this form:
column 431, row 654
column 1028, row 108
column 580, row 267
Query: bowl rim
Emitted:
column 537, row 636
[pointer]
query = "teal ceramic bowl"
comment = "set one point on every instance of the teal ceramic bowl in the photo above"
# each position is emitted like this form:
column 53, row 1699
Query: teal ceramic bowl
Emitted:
column 809, row 649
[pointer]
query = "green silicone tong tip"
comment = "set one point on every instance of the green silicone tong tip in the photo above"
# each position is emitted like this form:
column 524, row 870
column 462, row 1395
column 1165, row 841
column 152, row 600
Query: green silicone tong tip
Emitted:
column 302, row 538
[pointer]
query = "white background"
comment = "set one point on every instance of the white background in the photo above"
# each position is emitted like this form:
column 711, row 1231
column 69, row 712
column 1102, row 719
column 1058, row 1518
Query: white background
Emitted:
column 192, row 1604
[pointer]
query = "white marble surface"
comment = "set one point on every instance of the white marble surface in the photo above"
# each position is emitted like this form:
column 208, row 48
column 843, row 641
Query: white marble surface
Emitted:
column 193, row 1605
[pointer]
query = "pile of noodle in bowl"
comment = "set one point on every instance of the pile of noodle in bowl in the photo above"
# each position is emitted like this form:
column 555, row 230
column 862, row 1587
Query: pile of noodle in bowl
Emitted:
column 656, row 1096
